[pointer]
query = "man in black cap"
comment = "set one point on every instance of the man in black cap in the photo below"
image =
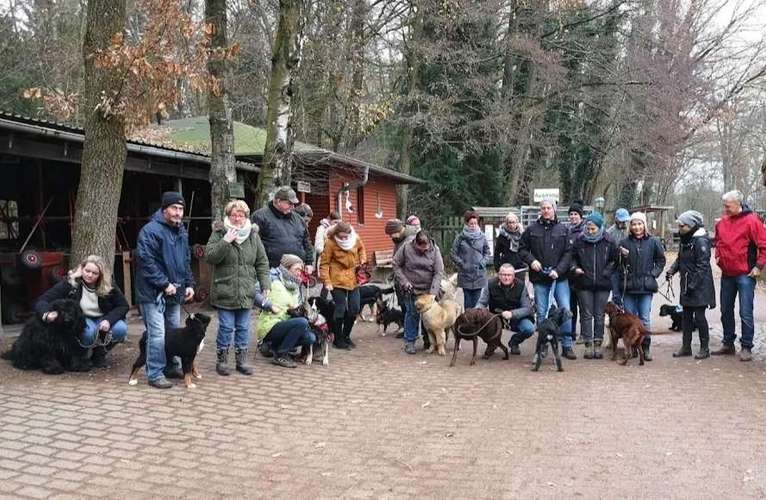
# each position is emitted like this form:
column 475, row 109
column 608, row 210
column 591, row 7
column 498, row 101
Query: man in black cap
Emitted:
column 163, row 280
column 282, row 230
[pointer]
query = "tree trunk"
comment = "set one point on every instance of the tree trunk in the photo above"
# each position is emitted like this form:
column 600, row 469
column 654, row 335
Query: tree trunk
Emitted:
column 284, row 63
column 104, row 150
column 356, row 59
column 222, row 161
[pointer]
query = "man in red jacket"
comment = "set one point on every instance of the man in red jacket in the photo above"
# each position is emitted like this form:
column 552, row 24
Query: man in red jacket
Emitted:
column 740, row 252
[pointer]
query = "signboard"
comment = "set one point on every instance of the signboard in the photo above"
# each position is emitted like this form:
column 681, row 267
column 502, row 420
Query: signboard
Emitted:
column 236, row 190
column 543, row 194
column 303, row 187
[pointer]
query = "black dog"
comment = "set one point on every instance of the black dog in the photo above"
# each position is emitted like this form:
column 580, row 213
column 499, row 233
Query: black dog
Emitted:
column 675, row 313
column 475, row 324
column 387, row 315
column 323, row 309
column 183, row 342
column 53, row 347
column 548, row 332
column 369, row 296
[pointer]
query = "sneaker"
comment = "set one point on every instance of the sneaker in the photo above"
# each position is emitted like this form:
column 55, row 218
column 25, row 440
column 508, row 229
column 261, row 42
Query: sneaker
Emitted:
column 515, row 350
column 283, row 361
column 568, row 353
column 745, row 354
column 161, row 383
column 409, row 348
column 725, row 350
column 265, row 349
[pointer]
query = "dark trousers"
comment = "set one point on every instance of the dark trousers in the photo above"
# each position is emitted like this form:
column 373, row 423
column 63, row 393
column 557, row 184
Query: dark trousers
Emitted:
column 592, row 305
column 574, row 305
column 287, row 334
column 347, row 307
column 694, row 317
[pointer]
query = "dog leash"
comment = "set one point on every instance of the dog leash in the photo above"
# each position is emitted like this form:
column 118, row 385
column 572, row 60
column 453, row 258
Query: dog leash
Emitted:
column 669, row 295
column 477, row 332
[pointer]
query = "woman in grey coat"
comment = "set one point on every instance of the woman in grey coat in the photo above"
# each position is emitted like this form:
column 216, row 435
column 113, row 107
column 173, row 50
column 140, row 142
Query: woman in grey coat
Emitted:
column 470, row 254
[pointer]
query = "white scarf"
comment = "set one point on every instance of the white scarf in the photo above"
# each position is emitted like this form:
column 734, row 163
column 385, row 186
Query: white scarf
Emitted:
column 243, row 233
column 348, row 243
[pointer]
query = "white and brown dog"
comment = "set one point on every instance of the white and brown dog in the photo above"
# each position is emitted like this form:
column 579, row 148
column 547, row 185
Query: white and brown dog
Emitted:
column 439, row 317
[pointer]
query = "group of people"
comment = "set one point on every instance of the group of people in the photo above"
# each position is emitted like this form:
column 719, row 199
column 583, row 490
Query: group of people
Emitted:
column 263, row 260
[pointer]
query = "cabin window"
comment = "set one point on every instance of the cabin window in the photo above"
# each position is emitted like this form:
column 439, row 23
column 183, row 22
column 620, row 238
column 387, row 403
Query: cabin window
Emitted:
column 9, row 215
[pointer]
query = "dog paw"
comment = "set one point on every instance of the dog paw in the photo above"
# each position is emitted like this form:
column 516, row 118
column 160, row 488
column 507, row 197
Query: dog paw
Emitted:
column 308, row 361
column 133, row 381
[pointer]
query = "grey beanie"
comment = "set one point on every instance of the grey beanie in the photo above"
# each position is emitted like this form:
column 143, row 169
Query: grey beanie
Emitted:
column 691, row 218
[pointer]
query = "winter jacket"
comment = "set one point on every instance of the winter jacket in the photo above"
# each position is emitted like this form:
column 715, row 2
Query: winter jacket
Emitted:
column 281, row 297
column 740, row 243
column 616, row 234
column 498, row 298
column 643, row 265
column 424, row 271
column 507, row 251
column 471, row 256
column 598, row 260
column 236, row 269
column 283, row 233
column 337, row 267
column 162, row 257
column 693, row 265
column 113, row 306
column 546, row 241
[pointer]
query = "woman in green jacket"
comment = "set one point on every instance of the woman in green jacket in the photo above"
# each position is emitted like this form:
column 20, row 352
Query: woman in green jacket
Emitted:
column 238, row 260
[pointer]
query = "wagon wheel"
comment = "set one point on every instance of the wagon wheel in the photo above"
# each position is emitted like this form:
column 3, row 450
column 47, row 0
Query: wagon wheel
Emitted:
column 31, row 260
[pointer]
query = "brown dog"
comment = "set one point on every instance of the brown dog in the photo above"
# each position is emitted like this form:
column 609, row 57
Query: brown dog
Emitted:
column 479, row 323
column 628, row 327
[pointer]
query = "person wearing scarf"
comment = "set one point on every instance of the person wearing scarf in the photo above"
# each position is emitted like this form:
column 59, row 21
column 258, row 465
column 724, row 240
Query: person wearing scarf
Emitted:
column 343, row 253
column 697, row 289
column 594, row 257
column 470, row 254
column 237, row 259
column 575, row 227
column 507, row 246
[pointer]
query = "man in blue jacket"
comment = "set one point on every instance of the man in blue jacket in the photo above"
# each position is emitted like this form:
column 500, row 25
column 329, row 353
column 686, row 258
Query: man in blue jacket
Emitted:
column 163, row 279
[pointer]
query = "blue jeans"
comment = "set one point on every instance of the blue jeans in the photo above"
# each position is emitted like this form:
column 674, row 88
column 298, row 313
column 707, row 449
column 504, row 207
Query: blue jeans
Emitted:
column 287, row 334
column 156, row 314
column 411, row 319
column 471, row 297
column 745, row 287
column 119, row 330
column 616, row 289
column 235, row 321
column 561, row 295
column 640, row 304
column 523, row 330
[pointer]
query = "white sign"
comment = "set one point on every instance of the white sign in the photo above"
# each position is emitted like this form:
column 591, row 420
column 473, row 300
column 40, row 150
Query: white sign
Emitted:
column 545, row 194
column 303, row 187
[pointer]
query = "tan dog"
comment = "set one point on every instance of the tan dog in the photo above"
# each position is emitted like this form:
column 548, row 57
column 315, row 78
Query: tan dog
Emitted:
column 439, row 317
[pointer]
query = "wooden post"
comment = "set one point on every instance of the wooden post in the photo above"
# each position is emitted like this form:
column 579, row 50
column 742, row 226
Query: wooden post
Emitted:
column 127, row 283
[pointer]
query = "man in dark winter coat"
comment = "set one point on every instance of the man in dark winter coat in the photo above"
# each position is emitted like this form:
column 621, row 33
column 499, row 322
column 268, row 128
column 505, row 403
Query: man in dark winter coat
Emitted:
column 544, row 246
column 740, row 252
column 507, row 296
column 163, row 279
column 282, row 230
column 697, row 289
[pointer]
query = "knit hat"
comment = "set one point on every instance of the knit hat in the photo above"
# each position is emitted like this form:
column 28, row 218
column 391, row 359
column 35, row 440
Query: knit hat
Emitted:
column 288, row 260
column 595, row 218
column 691, row 218
column 286, row 193
column 413, row 220
column 638, row 216
column 622, row 215
column 393, row 226
column 172, row 198
column 304, row 210
column 577, row 207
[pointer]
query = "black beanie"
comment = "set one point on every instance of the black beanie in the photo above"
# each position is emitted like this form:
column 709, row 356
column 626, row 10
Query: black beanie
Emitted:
column 172, row 198
column 576, row 206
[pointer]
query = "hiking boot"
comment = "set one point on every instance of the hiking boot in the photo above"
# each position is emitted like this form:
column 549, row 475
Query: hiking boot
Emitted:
column 409, row 348
column 568, row 353
column 161, row 383
column 340, row 343
column 351, row 343
column 647, row 353
column 684, row 352
column 588, row 351
column 240, row 356
column 283, row 361
column 703, row 354
column 265, row 349
column 515, row 350
column 222, row 359
column 725, row 350
column 173, row 372
column 597, row 351
column 745, row 354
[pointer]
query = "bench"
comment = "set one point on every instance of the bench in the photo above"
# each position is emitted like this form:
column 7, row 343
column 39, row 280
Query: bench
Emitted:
column 384, row 258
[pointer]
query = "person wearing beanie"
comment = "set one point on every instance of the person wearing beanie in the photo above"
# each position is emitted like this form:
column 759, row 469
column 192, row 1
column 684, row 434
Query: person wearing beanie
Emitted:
column 342, row 256
column 471, row 255
column 618, row 232
column 546, row 249
column 697, row 288
column 641, row 262
column 393, row 226
column 594, row 258
column 414, row 223
column 278, row 332
column 576, row 227
column 164, row 281
column 400, row 234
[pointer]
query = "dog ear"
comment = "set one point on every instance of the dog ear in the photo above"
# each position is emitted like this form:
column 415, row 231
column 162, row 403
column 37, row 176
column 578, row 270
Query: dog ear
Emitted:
column 192, row 315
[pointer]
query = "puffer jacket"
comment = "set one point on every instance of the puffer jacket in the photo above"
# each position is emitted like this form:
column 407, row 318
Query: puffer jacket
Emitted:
column 546, row 241
column 337, row 267
column 598, row 261
column 693, row 266
column 283, row 233
column 162, row 257
column 471, row 256
column 643, row 265
column 236, row 269
column 423, row 271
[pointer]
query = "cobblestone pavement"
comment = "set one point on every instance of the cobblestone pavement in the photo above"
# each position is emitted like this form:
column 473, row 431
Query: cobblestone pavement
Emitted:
column 379, row 423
